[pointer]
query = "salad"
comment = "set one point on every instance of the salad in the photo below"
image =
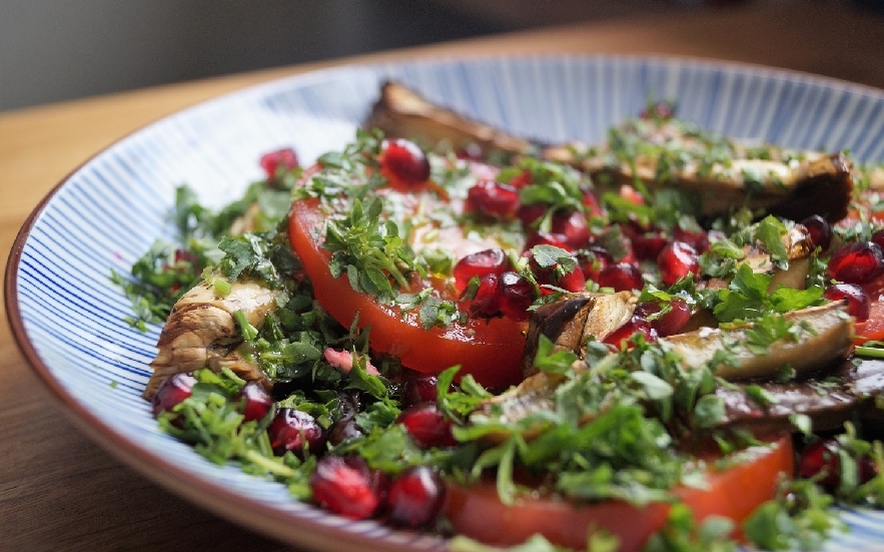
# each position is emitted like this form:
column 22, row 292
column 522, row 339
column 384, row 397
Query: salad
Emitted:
column 666, row 341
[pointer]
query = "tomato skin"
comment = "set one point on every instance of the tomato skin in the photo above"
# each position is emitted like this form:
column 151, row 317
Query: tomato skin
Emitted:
column 489, row 350
column 734, row 492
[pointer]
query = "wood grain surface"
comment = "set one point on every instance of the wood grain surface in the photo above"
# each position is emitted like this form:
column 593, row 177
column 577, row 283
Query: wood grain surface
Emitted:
column 59, row 490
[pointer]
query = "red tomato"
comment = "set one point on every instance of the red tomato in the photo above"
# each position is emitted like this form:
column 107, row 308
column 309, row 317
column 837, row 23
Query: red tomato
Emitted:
column 489, row 350
column 871, row 329
column 733, row 492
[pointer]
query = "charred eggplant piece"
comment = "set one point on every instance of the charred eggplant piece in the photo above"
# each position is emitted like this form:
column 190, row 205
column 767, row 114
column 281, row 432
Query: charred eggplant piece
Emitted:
column 829, row 398
column 722, row 174
column 202, row 332
column 401, row 112
column 822, row 340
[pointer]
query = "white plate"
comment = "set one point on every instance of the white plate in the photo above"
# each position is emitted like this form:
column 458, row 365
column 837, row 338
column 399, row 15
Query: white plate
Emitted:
column 68, row 317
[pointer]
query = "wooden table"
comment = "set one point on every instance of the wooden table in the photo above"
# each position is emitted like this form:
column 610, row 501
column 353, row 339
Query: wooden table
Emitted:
column 58, row 490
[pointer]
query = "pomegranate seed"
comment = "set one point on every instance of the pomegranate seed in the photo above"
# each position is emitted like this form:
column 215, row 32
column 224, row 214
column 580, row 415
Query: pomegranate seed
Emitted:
column 676, row 261
column 573, row 226
column 172, row 392
column 346, row 486
column 522, row 179
column 635, row 325
column 621, row 276
column 592, row 203
column 669, row 323
column 427, row 425
column 538, row 237
column 878, row 238
column 404, row 164
column 492, row 198
column 593, row 260
column 858, row 302
column 486, row 301
column 516, row 295
column 419, row 390
column 276, row 161
column 530, row 214
column 415, row 498
column 488, row 261
column 698, row 239
column 472, row 152
column 659, row 110
column 570, row 281
column 857, row 263
column 631, row 195
column 648, row 245
column 257, row 401
column 295, row 431
column 822, row 457
column 821, row 232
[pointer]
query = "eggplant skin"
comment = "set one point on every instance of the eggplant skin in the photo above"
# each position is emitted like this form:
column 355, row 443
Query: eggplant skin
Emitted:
column 829, row 398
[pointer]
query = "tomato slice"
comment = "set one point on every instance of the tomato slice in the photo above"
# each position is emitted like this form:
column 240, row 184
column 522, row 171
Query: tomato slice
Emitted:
column 490, row 350
column 733, row 492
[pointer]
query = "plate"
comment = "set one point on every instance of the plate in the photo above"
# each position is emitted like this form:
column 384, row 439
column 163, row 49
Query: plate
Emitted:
column 68, row 318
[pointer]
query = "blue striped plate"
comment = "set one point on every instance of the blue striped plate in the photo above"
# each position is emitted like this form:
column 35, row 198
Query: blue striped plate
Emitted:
column 68, row 317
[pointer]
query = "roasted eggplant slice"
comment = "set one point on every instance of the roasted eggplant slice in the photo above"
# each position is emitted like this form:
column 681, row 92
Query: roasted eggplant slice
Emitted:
column 721, row 173
column 202, row 332
column 812, row 339
column 816, row 339
column 403, row 113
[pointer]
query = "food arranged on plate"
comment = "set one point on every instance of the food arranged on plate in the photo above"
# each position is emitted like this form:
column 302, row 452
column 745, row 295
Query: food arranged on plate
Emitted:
column 665, row 341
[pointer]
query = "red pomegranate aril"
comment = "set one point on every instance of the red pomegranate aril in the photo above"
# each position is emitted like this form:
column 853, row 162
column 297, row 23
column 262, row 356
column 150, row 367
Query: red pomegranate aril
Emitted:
column 821, row 232
column 648, row 245
column 592, row 204
column 659, row 110
column 415, row 498
column 822, row 457
column 521, row 180
column 418, row 390
column 488, row 261
column 622, row 276
column 573, row 226
column 257, row 401
column 878, row 238
column 486, row 301
column 492, row 198
column 296, row 431
column 516, row 295
column 347, row 487
column 635, row 325
column 856, row 263
column 538, row 237
column 593, row 260
column 676, row 261
column 172, row 392
column 531, row 213
column 676, row 316
column 569, row 281
column 698, row 239
column 404, row 164
column 280, row 160
column 858, row 302
column 427, row 425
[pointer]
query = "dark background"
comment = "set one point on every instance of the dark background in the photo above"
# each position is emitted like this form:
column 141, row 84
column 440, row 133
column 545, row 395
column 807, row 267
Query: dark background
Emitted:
column 52, row 50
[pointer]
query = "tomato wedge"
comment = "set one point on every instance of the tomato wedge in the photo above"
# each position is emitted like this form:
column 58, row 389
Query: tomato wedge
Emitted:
column 733, row 492
column 490, row 350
